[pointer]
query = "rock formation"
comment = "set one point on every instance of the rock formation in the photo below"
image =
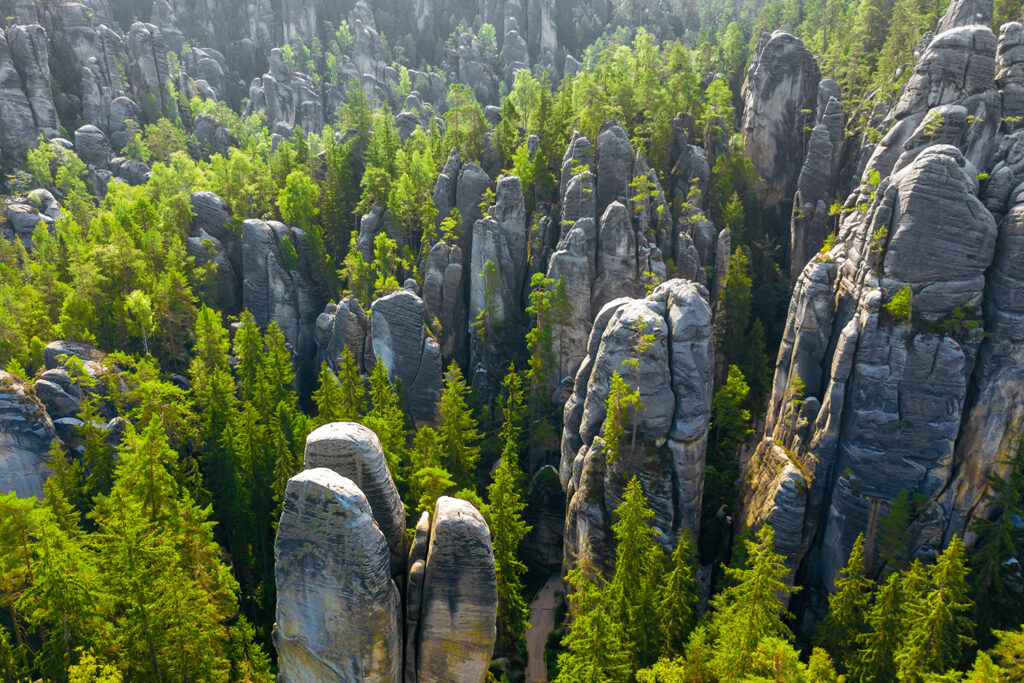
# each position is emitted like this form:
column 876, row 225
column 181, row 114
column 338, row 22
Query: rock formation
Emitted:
column 811, row 206
column 779, row 97
column 460, row 599
column 26, row 102
column 675, row 381
column 26, row 433
column 353, row 451
column 338, row 611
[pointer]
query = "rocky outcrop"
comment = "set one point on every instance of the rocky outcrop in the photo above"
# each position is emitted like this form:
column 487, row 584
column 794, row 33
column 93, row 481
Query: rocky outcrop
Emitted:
column 674, row 377
column 275, row 287
column 213, row 240
column 287, row 97
column 401, row 341
column 779, row 97
column 354, row 452
column 338, row 610
column 610, row 241
column 460, row 600
column 816, row 185
column 498, row 271
column 26, row 102
column 1010, row 73
column 965, row 13
column 442, row 296
column 868, row 402
column 148, row 73
column 26, row 432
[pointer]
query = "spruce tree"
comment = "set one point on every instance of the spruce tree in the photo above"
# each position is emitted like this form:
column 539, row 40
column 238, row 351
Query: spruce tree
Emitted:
column 892, row 541
column 677, row 605
column 639, row 562
column 504, row 514
column 458, row 429
column 1000, row 538
column 875, row 659
column 751, row 609
column 848, row 609
column 387, row 419
column 938, row 628
column 594, row 650
column 428, row 480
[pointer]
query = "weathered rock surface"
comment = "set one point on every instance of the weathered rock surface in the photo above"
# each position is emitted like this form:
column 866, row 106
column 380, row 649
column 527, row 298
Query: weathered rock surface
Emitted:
column 275, row 285
column 817, row 183
column 675, row 381
column 779, row 95
column 882, row 397
column 26, row 101
column 354, row 451
column 213, row 239
column 338, row 610
column 402, row 343
column 460, row 600
column 26, row 433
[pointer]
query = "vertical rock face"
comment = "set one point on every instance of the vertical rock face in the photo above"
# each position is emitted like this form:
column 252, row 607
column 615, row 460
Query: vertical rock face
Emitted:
column 867, row 402
column 816, row 184
column 26, row 433
column 965, row 13
column 353, row 451
column 1010, row 71
column 338, row 611
column 501, row 239
column 675, row 381
column 401, row 341
column 779, row 96
column 212, row 239
column 611, row 241
column 23, row 115
column 460, row 600
column 275, row 287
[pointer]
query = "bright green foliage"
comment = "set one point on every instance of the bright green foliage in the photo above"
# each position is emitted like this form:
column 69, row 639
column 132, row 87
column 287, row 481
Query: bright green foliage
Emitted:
column 900, row 306
column 847, row 615
column 386, row 418
column 633, row 592
column 340, row 397
column 458, row 429
column 729, row 418
column 751, row 609
column 619, row 406
column 428, row 480
column 876, row 658
column 677, row 597
column 540, row 342
column 735, row 306
column 594, row 650
column 465, row 122
column 504, row 514
column 938, row 626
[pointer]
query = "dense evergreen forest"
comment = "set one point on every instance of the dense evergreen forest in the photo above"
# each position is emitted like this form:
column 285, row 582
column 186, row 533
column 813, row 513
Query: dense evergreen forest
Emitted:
column 150, row 553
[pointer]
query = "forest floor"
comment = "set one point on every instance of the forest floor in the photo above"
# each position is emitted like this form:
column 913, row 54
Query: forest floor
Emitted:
column 542, row 620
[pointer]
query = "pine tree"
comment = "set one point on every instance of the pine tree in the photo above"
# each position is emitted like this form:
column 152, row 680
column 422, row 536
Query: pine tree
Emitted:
column 875, row 660
column 938, row 628
column 639, row 563
column 63, row 600
column 751, row 609
column 892, row 541
column 999, row 540
column 677, row 605
column 594, row 651
column 458, row 429
column 848, row 609
column 387, row 419
column 504, row 514
column 428, row 481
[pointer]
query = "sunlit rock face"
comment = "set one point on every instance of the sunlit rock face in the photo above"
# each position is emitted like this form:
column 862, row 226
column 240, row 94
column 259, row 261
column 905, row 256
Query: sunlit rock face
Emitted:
column 873, row 397
column 338, row 610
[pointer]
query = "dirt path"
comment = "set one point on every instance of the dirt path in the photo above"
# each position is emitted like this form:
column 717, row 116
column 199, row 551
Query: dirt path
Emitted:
column 542, row 618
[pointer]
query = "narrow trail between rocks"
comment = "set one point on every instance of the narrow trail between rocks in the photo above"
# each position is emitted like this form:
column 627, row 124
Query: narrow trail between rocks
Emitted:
column 542, row 619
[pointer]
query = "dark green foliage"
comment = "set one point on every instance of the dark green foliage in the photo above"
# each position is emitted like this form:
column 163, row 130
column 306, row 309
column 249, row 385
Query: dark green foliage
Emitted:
column 847, row 613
